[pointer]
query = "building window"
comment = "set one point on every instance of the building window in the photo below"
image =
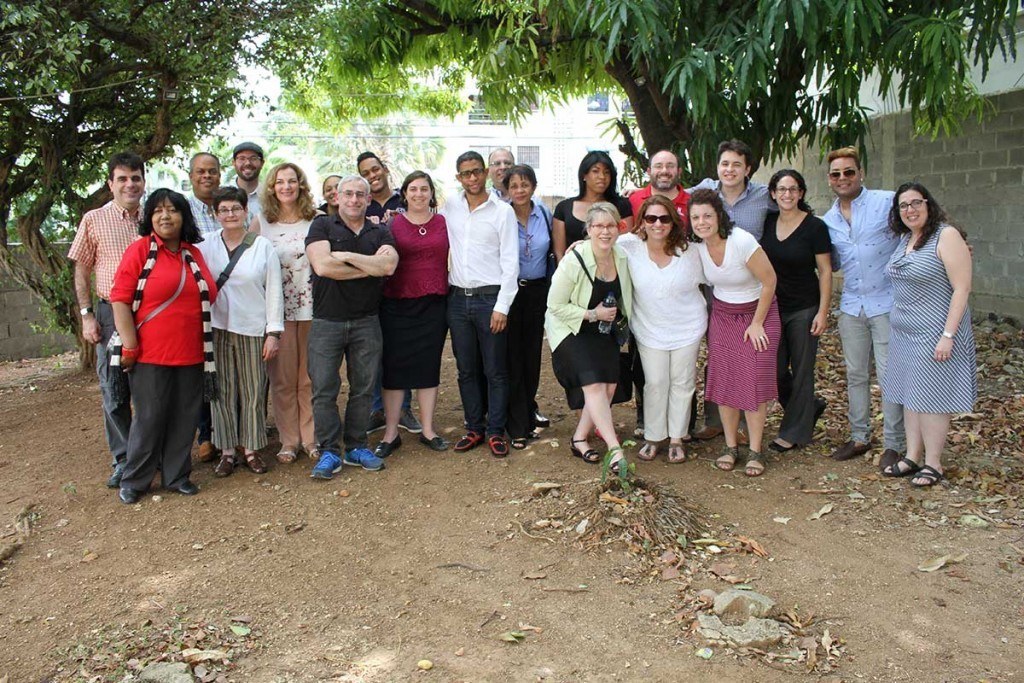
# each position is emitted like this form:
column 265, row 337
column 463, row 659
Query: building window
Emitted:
column 478, row 113
column 598, row 103
column 529, row 155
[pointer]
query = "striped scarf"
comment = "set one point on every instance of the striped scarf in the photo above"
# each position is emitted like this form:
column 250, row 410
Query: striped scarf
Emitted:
column 210, row 389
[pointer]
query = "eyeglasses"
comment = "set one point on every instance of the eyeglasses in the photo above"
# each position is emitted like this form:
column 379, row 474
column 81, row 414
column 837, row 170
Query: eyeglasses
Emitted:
column 845, row 173
column 914, row 204
column 471, row 173
column 248, row 159
column 604, row 228
column 787, row 190
column 229, row 210
column 651, row 219
column 501, row 163
column 353, row 194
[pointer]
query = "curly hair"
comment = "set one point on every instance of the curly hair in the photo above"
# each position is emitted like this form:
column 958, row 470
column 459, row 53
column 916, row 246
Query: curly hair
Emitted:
column 676, row 239
column 936, row 216
column 271, row 208
column 189, row 232
column 773, row 185
column 711, row 198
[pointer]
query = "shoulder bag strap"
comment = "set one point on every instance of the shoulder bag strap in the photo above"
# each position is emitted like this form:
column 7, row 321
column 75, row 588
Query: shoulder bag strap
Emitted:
column 163, row 307
column 247, row 241
column 584, row 266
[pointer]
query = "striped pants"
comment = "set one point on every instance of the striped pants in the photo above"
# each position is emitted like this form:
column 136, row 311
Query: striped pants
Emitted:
column 239, row 413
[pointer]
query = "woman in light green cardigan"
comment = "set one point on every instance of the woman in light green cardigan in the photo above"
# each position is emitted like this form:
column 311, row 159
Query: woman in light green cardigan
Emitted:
column 583, row 357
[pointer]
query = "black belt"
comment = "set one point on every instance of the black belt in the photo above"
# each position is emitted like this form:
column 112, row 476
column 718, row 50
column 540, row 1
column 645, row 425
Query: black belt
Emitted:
column 533, row 283
column 102, row 301
column 486, row 290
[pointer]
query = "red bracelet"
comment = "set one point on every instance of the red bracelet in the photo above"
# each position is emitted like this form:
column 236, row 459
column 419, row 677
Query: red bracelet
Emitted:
column 129, row 353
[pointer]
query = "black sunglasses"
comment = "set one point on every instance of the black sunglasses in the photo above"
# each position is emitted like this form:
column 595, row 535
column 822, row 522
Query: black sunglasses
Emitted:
column 845, row 173
column 651, row 219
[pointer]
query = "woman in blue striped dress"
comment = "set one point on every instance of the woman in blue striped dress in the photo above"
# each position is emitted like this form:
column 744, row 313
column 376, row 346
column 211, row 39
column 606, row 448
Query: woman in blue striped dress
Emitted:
column 932, row 366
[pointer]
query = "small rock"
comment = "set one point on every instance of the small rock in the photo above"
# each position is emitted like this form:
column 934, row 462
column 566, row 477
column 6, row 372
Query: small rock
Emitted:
column 735, row 606
column 157, row 498
column 461, row 651
column 972, row 521
column 707, row 596
column 544, row 487
column 543, row 673
column 424, row 665
column 755, row 633
column 166, row 672
column 344, row 493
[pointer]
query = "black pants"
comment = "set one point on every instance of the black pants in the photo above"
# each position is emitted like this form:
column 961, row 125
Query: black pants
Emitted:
column 165, row 399
column 525, row 339
column 798, row 349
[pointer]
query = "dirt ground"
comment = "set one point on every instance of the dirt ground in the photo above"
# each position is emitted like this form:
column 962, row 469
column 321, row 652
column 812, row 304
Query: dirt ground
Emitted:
column 360, row 578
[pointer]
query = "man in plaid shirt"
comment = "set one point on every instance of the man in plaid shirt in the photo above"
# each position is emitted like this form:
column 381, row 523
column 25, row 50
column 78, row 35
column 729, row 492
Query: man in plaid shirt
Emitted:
column 102, row 238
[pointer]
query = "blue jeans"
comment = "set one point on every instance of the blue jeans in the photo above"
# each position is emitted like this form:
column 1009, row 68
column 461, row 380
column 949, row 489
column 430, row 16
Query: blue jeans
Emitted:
column 862, row 338
column 358, row 343
column 481, row 358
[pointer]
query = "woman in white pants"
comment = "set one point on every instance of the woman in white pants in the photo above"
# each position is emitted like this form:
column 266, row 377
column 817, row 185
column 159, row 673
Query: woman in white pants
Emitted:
column 669, row 320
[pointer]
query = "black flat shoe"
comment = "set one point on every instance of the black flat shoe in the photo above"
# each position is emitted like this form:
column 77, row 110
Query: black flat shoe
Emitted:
column 129, row 496
column 386, row 448
column 186, row 488
column 435, row 444
column 541, row 420
column 115, row 477
column 779, row 448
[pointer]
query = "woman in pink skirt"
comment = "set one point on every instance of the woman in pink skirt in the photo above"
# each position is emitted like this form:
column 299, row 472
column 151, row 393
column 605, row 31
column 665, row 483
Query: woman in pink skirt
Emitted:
column 744, row 330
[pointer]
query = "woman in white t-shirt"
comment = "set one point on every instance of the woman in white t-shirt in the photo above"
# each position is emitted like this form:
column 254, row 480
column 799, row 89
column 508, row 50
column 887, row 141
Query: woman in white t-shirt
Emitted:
column 669, row 320
column 744, row 330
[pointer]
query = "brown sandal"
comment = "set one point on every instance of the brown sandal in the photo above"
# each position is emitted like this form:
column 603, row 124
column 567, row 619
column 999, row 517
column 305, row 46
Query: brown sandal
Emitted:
column 648, row 452
column 226, row 466
column 255, row 463
column 677, row 454
column 727, row 460
column 755, row 464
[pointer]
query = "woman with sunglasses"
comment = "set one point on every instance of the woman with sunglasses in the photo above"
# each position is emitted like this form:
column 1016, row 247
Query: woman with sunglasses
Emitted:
column 799, row 248
column 932, row 369
column 669, row 320
column 744, row 329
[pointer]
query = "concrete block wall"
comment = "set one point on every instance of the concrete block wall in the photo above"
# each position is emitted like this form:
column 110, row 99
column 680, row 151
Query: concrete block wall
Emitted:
column 977, row 177
column 21, row 316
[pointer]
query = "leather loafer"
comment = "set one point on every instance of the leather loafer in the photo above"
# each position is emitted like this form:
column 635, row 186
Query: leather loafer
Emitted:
column 129, row 496
column 115, row 477
column 386, row 448
column 436, row 444
column 185, row 488
column 849, row 450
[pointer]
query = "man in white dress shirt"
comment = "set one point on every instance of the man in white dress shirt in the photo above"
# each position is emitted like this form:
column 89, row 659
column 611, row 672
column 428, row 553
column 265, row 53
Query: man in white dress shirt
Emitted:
column 484, row 243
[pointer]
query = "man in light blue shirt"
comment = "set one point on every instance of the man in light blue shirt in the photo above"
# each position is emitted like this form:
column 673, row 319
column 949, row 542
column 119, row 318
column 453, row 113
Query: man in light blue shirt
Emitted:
column 862, row 245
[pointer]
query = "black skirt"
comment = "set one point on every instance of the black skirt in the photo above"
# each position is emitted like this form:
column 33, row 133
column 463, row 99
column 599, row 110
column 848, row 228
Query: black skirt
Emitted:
column 587, row 357
column 414, row 332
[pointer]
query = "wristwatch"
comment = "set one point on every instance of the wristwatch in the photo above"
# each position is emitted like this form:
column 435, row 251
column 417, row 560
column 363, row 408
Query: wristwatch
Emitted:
column 87, row 310
column 947, row 335
column 592, row 315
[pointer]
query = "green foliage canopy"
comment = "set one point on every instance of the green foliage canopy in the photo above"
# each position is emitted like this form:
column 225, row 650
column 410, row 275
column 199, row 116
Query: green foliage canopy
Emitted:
column 771, row 72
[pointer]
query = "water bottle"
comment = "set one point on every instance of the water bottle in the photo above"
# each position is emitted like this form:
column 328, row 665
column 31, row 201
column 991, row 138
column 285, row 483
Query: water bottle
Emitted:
column 605, row 326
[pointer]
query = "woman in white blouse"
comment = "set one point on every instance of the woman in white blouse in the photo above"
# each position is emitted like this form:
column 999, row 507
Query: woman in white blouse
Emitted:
column 744, row 330
column 247, row 320
column 669, row 320
column 288, row 210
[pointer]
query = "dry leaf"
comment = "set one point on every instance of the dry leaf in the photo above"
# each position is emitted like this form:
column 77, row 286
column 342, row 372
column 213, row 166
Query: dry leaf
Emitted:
column 609, row 498
column 512, row 636
column 781, row 520
column 669, row 573
column 825, row 509
column 529, row 627
column 752, row 546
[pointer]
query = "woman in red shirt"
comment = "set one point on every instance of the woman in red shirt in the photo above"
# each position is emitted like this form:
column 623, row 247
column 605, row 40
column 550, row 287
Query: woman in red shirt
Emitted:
column 161, row 300
column 413, row 313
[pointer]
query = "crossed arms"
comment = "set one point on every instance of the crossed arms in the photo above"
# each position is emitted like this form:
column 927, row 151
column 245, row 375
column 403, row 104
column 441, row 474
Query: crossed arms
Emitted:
column 347, row 265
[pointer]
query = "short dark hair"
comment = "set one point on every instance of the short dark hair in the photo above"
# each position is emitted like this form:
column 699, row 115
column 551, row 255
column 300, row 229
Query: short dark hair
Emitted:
column 471, row 155
column 737, row 147
column 592, row 159
column 416, row 175
column 129, row 160
column 523, row 171
column 800, row 182
column 189, row 232
column 192, row 161
column 711, row 198
column 369, row 155
column 230, row 193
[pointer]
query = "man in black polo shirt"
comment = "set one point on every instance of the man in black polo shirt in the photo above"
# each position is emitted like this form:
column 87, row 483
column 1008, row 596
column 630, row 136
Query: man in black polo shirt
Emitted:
column 350, row 257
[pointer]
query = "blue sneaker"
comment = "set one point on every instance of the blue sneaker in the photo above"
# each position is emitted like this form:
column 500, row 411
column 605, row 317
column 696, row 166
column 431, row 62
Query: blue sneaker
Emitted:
column 363, row 457
column 327, row 466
